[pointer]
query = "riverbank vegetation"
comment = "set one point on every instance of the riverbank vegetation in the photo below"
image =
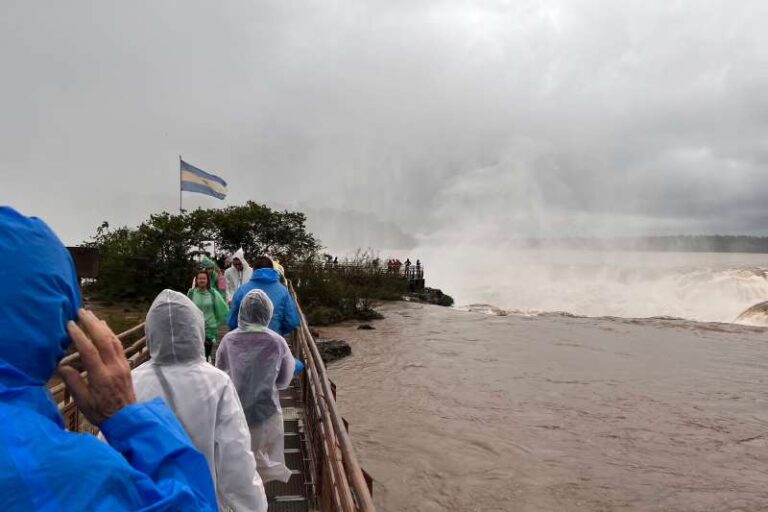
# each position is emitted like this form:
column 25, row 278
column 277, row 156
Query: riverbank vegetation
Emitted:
column 135, row 264
column 347, row 291
column 163, row 251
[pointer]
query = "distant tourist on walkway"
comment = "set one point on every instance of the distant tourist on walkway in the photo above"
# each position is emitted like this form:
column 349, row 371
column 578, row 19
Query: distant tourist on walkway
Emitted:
column 260, row 363
column 213, row 306
column 237, row 274
column 149, row 463
column 203, row 398
column 286, row 316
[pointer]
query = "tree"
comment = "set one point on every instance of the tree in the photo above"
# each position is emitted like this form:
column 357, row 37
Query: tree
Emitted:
column 261, row 230
column 160, row 253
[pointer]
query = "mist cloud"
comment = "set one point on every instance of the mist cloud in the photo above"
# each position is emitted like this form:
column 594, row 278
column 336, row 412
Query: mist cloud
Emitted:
column 587, row 117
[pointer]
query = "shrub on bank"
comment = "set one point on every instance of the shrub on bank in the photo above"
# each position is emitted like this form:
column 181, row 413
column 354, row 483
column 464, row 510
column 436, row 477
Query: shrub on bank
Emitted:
column 135, row 264
column 347, row 291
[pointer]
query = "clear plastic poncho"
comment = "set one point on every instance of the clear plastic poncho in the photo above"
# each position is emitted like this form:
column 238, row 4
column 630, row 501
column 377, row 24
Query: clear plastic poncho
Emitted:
column 260, row 364
column 203, row 398
column 236, row 278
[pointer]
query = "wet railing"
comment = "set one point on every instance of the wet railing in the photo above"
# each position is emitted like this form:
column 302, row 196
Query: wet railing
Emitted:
column 135, row 347
column 411, row 272
column 339, row 483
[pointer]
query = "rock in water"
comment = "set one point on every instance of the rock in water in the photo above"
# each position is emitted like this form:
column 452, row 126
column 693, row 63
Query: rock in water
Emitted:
column 756, row 315
column 433, row 296
column 333, row 350
column 365, row 327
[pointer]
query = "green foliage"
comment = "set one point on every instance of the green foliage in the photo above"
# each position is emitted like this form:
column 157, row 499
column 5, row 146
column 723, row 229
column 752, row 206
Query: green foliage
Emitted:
column 322, row 315
column 348, row 291
column 136, row 264
column 260, row 230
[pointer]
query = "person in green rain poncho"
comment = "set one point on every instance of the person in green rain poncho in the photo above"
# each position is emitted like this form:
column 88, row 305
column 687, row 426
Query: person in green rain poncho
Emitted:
column 213, row 273
column 215, row 310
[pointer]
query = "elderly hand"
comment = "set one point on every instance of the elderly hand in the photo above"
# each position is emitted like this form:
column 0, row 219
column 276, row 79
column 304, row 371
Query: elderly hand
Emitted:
column 109, row 387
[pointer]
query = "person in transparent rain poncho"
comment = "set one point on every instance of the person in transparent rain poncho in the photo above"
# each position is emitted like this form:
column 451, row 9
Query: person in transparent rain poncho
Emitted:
column 203, row 398
column 260, row 364
column 237, row 274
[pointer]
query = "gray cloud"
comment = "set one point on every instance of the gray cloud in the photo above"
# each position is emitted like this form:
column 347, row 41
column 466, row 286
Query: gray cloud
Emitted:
column 526, row 117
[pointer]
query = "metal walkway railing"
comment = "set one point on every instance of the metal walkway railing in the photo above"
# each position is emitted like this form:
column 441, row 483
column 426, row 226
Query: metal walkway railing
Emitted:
column 135, row 346
column 327, row 474
column 338, row 481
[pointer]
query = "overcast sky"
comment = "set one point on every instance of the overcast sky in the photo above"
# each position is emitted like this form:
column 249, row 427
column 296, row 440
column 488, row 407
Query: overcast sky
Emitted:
column 495, row 118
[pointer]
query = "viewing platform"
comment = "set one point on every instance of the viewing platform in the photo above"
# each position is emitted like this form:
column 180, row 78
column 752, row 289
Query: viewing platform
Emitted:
column 326, row 475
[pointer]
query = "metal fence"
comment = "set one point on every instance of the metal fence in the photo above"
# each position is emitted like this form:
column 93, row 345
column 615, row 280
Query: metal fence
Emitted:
column 410, row 272
column 337, row 484
column 135, row 346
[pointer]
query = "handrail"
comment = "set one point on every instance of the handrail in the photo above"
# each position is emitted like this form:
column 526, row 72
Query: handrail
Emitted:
column 75, row 356
column 73, row 418
column 411, row 272
column 352, row 472
column 343, row 488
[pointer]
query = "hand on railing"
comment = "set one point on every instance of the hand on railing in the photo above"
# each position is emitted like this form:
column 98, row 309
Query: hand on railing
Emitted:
column 109, row 387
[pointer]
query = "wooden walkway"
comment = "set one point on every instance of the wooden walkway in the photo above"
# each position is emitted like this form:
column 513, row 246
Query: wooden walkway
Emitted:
column 326, row 475
column 295, row 495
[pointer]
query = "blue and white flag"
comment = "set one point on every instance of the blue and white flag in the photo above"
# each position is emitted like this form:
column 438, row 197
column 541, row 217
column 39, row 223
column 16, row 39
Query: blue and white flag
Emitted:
column 197, row 180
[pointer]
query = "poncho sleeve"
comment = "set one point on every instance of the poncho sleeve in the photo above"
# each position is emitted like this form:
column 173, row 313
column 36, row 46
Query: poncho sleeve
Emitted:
column 151, row 440
column 220, row 308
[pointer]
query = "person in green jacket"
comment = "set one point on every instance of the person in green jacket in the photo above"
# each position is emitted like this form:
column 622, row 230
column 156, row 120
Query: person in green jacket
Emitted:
column 215, row 310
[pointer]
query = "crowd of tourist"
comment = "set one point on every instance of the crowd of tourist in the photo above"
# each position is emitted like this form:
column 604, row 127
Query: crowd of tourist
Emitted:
column 197, row 427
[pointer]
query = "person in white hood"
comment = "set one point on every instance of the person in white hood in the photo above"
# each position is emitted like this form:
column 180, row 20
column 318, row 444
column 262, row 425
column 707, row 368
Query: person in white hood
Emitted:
column 203, row 398
column 260, row 364
column 237, row 274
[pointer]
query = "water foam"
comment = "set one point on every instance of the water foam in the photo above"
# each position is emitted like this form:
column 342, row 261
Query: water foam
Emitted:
column 697, row 286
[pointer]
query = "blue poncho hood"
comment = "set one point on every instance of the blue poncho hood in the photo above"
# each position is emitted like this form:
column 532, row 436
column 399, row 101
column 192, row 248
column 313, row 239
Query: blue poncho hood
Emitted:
column 268, row 275
column 40, row 294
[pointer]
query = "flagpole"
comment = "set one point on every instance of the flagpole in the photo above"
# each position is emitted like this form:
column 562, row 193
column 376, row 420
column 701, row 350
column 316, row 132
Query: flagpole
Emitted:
column 181, row 210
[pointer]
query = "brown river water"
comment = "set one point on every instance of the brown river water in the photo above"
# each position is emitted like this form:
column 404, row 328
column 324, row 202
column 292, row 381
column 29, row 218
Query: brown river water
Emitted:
column 463, row 411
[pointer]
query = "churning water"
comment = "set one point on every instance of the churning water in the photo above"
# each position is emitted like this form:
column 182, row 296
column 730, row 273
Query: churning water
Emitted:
column 567, row 380
column 708, row 287
column 464, row 411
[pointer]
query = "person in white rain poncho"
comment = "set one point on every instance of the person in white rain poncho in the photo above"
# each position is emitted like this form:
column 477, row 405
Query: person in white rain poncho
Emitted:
column 203, row 398
column 237, row 274
column 260, row 363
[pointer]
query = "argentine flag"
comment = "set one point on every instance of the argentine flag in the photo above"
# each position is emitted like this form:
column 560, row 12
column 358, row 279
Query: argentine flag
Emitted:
column 197, row 180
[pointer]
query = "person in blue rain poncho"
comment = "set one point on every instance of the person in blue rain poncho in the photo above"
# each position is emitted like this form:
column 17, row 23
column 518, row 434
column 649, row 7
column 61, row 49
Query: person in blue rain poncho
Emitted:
column 286, row 315
column 149, row 463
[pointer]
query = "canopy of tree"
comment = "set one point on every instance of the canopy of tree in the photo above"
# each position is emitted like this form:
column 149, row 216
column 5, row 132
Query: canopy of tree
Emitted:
column 137, row 263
